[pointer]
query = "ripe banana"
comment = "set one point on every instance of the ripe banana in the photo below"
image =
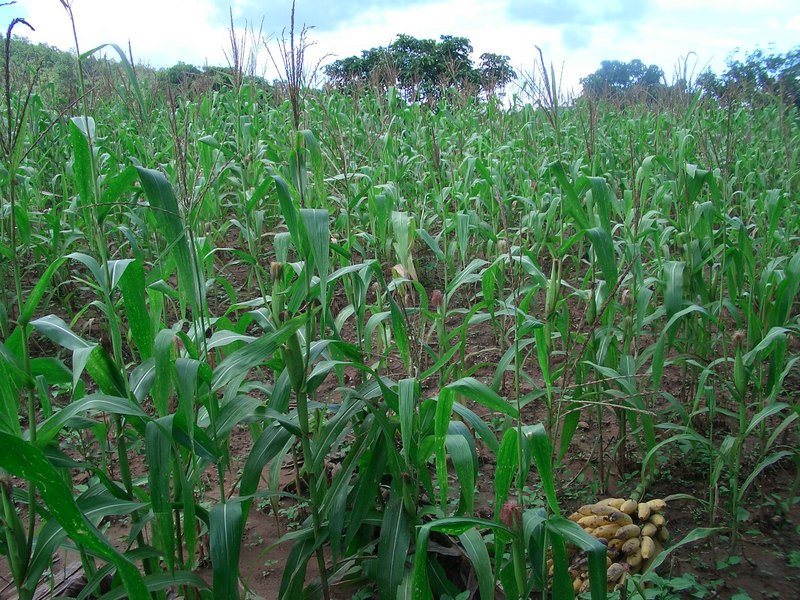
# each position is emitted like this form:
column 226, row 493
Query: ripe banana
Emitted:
column 649, row 529
column 663, row 534
column 657, row 505
column 614, row 572
column 657, row 520
column 635, row 561
column 593, row 521
column 613, row 502
column 648, row 547
column 627, row 532
column 644, row 511
column 629, row 507
column 606, row 532
column 620, row 518
column 601, row 509
column 631, row 546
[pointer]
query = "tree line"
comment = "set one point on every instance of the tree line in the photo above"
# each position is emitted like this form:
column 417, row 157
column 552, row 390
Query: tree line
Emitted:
column 423, row 69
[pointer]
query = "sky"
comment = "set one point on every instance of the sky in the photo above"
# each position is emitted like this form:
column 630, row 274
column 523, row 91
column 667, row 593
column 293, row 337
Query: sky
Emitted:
column 574, row 35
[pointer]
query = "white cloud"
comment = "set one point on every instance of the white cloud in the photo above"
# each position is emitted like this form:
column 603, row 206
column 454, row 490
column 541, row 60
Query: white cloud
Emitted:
column 160, row 31
column 163, row 32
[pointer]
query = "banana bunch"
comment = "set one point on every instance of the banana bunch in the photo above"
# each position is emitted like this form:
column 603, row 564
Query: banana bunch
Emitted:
column 633, row 531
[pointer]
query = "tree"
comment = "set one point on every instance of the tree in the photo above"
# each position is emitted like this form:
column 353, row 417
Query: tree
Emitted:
column 181, row 74
column 757, row 73
column 422, row 68
column 495, row 72
column 615, row 77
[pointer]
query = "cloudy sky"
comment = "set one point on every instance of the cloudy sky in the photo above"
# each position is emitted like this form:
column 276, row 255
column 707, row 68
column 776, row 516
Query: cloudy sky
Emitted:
column 575, row 35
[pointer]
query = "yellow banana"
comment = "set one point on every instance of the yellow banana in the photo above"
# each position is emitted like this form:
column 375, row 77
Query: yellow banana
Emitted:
column 606, row 532
column 657, row 520
column 649, row 529
column 602, row 509
column 593, row 521
column 614, row 572
column 631, row 546
column 643, row 511
column 616, row 544
column 627, row 532
column 663, row 533
column 620, row 518
column 648, row 547
column 635, row 561
column 613, row 502
column 629, row 507
column 657, row 505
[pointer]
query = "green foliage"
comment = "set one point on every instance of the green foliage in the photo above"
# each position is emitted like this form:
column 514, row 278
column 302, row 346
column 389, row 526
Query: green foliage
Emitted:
column 422, row 68
column 615, row 77
column 757, row 72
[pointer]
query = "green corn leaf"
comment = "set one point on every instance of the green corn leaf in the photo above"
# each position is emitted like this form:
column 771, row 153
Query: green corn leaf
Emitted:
column 225, row 532
column 484, row 395
column 317, row 228
column 294, row 573
column 244, row 359
column 393, row 544
column 673, row 286
column 573, row 533
column 454, row 526
column 506, row 469
column 164, row 369
column 268, row 445
column 132, row 286
column 400, row 334
column 695, row 535
column 461, row 449
column 159, row 474
column 129, row 70
column 562, row 582
column 162, row 200
column 421, row 589
column 366, row 487
column 479, row 426
column 83, row 163
column 115, row 187
column 289, row 212
column 48, row 429
column 9, row 402
column 542, row 458
column 571, row 199
column 57, row 330
column 467, row 276
column 163, row 581
column 601, row 198
column 28, row 462
column 475, row 547
column 407, row 396
column 444, row 407
column 32, row 302
column 764, row 414
column 604, row 253
column 761, row 349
